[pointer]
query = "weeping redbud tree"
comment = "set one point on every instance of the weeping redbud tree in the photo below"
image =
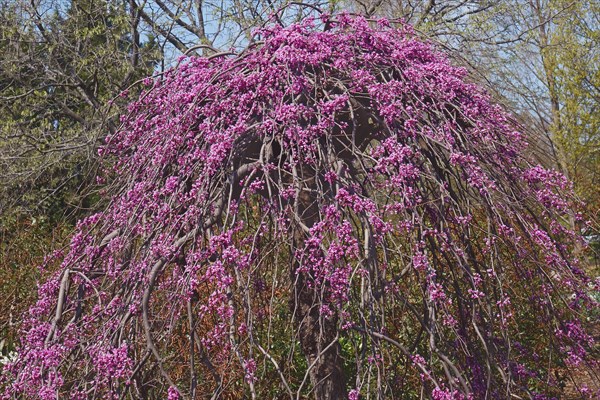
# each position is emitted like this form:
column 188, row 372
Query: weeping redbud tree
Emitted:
column 333, row 213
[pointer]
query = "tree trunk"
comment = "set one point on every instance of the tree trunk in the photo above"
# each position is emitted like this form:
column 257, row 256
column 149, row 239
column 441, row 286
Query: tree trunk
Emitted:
column 318, row 334
column 318, row 340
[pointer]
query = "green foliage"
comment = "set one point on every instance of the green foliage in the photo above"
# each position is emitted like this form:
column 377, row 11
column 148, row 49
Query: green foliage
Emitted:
column 61, row 72
column 575, row 59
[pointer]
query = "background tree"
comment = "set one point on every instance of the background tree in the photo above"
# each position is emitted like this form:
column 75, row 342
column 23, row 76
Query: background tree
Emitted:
column 333, row 212
column 59, row 77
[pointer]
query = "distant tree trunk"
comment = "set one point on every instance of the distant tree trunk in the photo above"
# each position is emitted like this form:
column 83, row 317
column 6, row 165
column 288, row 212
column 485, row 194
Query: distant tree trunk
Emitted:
column 549, row 65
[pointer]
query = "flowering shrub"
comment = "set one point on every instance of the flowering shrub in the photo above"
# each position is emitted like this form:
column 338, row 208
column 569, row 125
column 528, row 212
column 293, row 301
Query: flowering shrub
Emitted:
column 333, row 211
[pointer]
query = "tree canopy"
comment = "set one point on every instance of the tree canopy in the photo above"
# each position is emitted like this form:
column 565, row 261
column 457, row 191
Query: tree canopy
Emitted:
column 334, row 212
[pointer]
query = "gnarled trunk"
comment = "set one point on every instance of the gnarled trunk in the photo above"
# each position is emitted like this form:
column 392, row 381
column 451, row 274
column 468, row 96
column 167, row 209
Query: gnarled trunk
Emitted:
column 318, row 334
column 319, row 342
